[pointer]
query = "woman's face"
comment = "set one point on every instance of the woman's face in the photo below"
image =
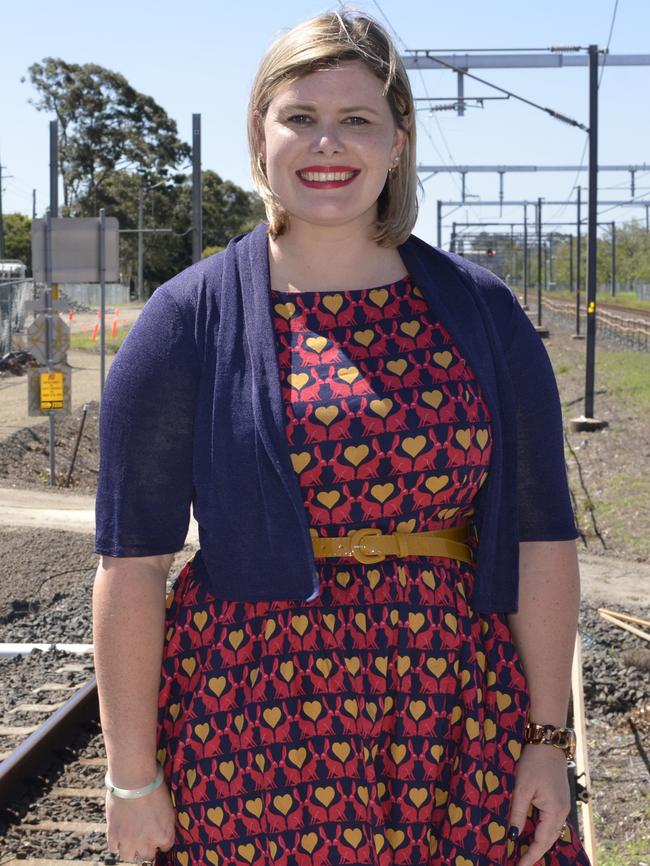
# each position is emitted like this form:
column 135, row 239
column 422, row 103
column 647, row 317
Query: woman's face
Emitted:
column 328, row 141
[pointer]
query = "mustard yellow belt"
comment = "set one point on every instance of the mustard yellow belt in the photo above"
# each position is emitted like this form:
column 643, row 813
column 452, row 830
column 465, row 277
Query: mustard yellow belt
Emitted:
column 369, row 544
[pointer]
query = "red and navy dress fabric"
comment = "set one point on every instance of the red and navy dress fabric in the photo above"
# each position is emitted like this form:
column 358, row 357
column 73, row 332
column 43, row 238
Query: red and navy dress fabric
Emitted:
column 381, row 722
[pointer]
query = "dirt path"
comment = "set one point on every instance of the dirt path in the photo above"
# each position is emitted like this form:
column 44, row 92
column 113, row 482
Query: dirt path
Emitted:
column 42, row 509
column 605, row 580
column 13, row 391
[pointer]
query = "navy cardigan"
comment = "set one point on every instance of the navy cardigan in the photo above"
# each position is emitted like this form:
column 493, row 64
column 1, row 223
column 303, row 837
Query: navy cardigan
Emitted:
column 192, row 414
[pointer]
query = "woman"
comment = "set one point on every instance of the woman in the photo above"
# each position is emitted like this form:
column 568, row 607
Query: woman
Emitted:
column 369, row 433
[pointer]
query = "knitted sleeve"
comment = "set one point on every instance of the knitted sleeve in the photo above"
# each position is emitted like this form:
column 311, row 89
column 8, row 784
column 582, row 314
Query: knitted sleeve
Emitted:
column 146, row 423
column 544, row 503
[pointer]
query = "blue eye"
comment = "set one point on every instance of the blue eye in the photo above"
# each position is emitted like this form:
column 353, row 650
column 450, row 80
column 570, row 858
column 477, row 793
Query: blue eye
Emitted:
column 299, row 118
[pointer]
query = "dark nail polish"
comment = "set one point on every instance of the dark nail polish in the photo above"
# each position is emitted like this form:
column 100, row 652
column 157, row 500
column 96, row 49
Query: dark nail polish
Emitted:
column 513, row 832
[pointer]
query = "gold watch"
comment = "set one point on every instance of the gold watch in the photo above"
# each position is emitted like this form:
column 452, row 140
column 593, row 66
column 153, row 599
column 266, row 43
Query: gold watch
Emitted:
column 561, row 738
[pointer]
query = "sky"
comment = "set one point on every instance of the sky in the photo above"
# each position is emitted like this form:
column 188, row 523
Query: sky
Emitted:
column 201, row 56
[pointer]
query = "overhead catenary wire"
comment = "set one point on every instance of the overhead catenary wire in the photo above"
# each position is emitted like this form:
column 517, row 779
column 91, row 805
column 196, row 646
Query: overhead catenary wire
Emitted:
column 431, row 114
column 561, row 210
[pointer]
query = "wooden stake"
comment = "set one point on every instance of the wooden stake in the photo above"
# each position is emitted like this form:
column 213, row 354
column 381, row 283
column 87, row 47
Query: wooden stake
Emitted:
column 624, row 616
column 582, row 757
column 637, row 631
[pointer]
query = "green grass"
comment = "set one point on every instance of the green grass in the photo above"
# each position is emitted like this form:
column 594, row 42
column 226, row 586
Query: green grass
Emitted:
column 86, row 343
column 622, row 299
column 634, row 491
column 627, row 374
column 629, row 855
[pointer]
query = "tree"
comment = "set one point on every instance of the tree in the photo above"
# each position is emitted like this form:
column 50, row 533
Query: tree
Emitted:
column 18, row 237
column 104, row 125
column 228, row 210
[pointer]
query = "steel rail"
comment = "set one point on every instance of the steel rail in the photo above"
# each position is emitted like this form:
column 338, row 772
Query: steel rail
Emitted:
column 27, row 760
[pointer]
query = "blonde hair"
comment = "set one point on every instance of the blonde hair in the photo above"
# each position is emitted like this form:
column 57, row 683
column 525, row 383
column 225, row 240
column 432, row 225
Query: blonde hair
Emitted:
column 322, row 43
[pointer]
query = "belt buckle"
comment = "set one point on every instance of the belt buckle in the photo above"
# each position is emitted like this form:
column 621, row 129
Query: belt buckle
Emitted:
column 355, row 538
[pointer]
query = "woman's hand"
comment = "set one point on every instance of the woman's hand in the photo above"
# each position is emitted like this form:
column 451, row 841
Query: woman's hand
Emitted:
column 541, row 780
column 136, row 828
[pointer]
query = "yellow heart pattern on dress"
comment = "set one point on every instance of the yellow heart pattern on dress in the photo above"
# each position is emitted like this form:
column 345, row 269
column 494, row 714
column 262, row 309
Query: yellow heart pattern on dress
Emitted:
column 212, row 857
column 200, row 618
column 434, row 483
column 443, row 359
column 325, row 795
column 326, row 414
column 395, row 838
column 300, row 623
column 397, row 367
column 437, row 666
column 297, row 756
column 328, row 498
column 236, row 638
column 451, row 622
column 312, row 709
column 300, row 461
column 432, row 398
column 464, row 438
column 378, row 297
column 417, row 709
column 353, row 836
column 503, row 700
column 287, row 670
column 333, row 303
column 184, row 820
column 325, row 667
column 455, row 813
column 397, row 752
column 491, row 781
column 202, row 731
column 418, row 796
column 227, row 770
column 189, row 666
column 297, row 380
column 285, row 310
column 316, row 344
column 411, row 328
column 413, row 445
column 342, row 751
column 482, row 438
column 416, row 621
column 272, row 716
column 283, row 803
column 308, row 842
column 217, row 685
column 381, row 492
column 381, row 407
column 348, row 374
column 472, row 728
column 496, row 832
column 356, row 454
column 247, row 852
column 215, row 816
column 364, row 337
column 255, row 806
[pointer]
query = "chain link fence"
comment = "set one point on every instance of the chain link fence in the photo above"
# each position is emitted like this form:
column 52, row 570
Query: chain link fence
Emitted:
column 13, row 296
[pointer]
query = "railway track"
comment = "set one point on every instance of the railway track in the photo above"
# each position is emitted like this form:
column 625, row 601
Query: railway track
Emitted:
column 625, row 327
column 51, row 775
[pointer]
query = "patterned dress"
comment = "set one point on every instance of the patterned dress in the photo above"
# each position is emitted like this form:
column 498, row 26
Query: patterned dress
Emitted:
column 381, row 722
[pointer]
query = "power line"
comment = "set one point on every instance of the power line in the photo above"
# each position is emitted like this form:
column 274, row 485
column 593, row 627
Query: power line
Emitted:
column 424, row 128
column 609, row 40
column 602, row 72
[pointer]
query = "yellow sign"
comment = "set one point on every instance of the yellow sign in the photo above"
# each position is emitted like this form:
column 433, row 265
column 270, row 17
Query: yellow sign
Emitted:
column 51, row 391
column 55, row 291
column 592, row 307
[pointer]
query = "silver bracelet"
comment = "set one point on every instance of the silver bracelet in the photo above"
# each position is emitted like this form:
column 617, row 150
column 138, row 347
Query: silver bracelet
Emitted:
column 134, row 793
